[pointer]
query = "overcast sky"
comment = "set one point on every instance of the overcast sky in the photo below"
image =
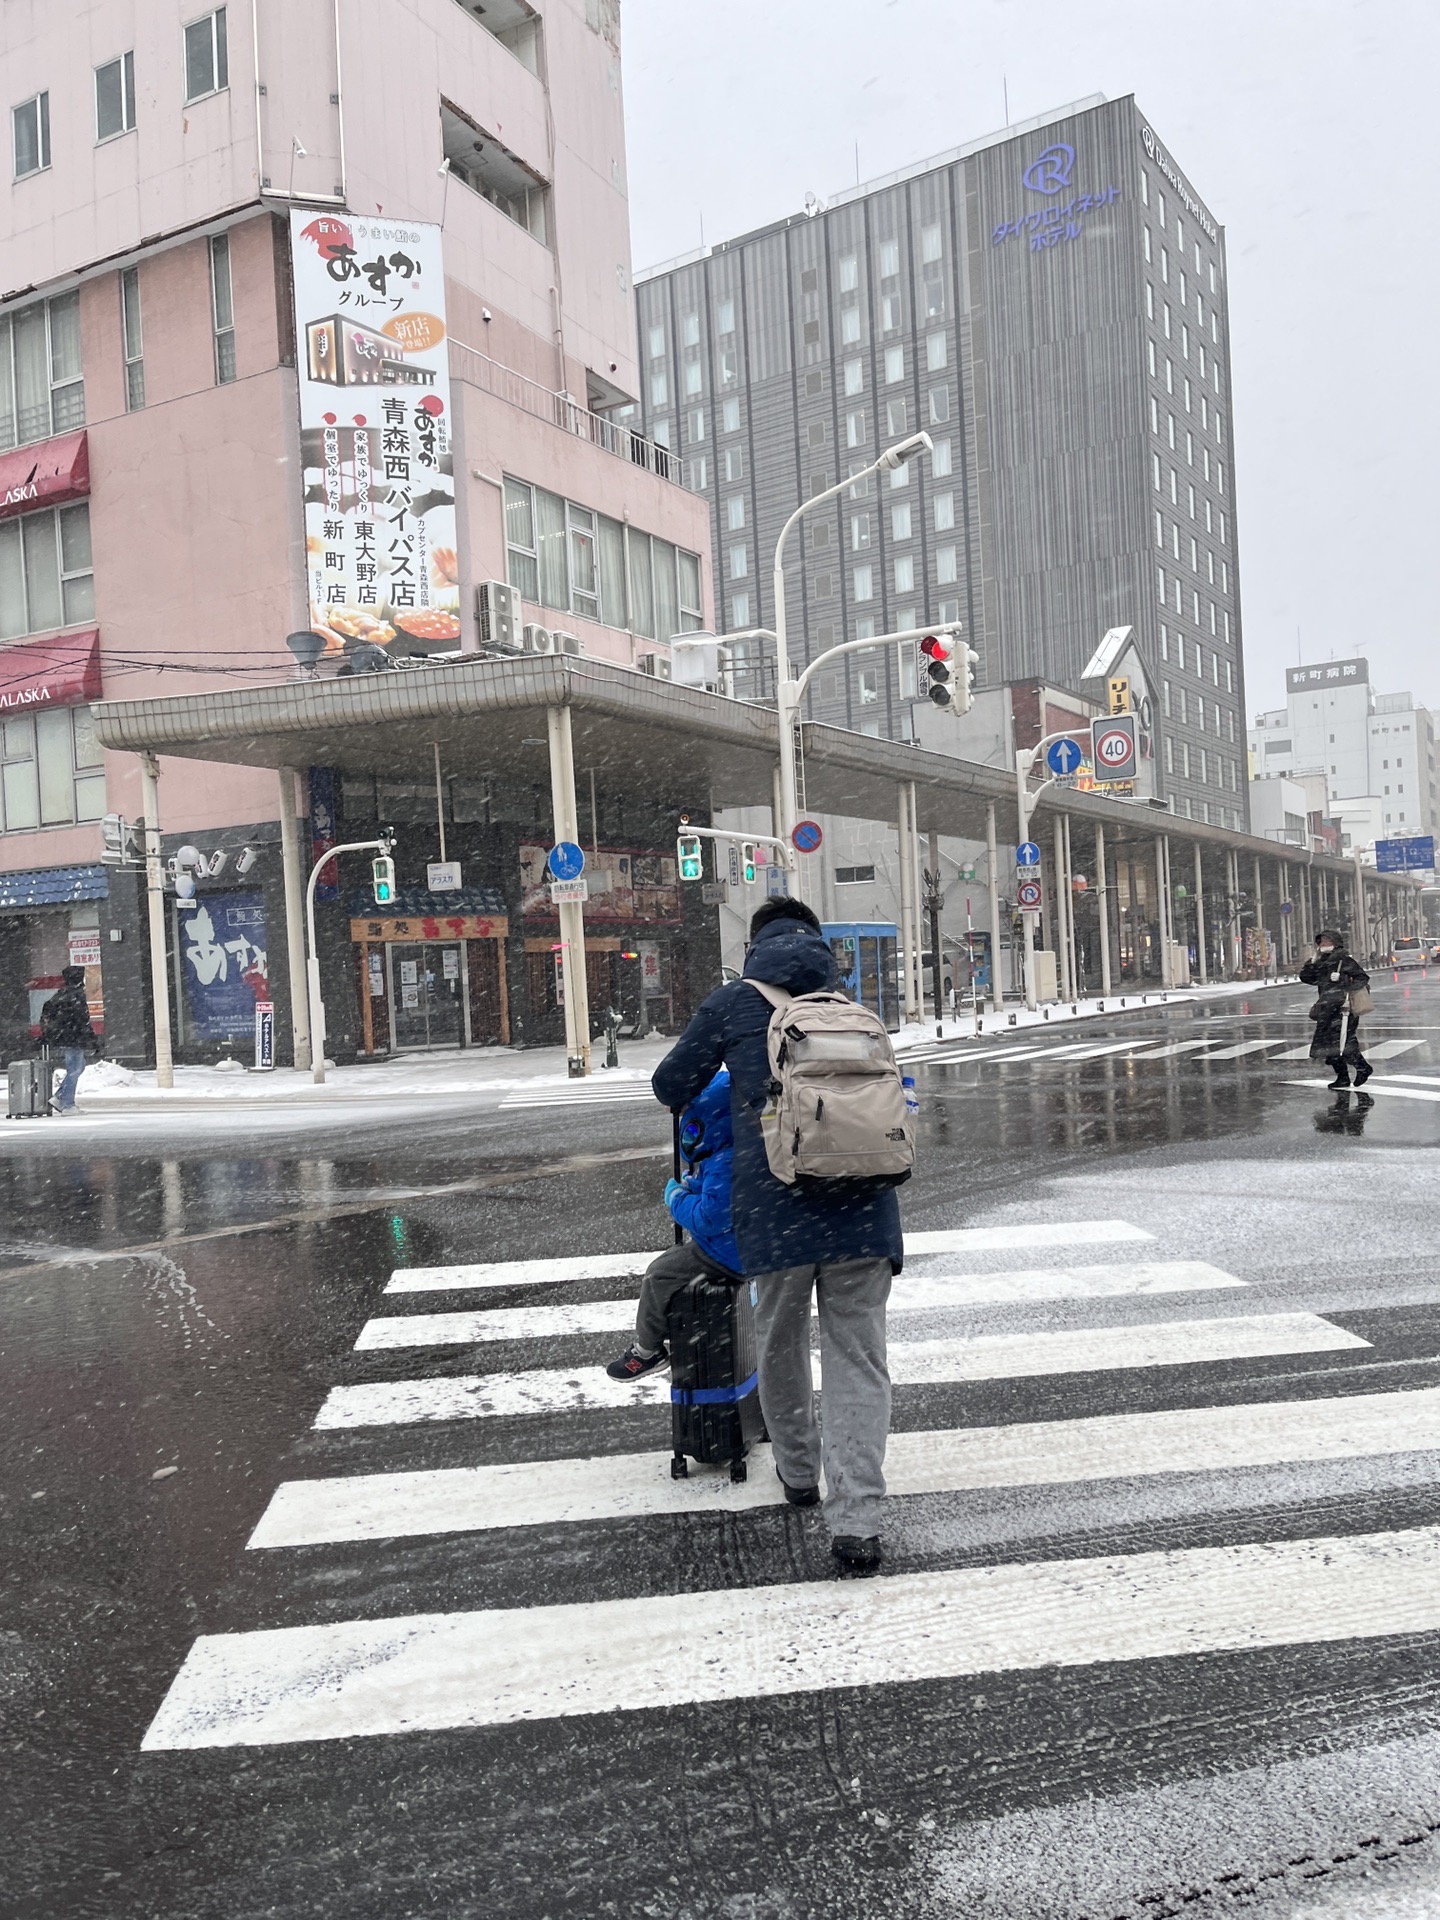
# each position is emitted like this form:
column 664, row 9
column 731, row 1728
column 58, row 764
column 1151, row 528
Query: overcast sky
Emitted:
column 1310, row 130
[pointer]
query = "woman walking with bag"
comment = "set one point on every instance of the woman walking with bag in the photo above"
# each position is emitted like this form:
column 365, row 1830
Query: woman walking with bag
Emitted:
column 1343, row 995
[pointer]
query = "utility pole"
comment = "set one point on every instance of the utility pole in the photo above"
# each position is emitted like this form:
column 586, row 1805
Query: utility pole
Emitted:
column 934, row 901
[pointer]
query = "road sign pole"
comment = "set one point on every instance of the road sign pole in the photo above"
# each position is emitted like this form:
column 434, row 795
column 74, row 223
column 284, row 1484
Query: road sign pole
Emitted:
column 574, row 982
column 1023, row 763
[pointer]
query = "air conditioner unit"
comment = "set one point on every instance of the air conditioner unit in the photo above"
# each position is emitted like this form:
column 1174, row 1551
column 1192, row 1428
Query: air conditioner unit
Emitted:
column 538, row 640
column 497, row 616
column 657, row 665
column 565, row 642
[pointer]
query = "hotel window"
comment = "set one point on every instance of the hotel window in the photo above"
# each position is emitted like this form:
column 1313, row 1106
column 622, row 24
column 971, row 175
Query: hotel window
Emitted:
column 850, row 326
column 1150, row 356
column 1204, row 413
column 905, row 574
column 894, row 365
column 30, row 130
column 41, row 390
column 729, row 366
column 854, row 376
column 859, row 532
column 1190, row 449
column 1145, row 238
column 855, row 429
column 1174, row 488
column 1169, row 376
column 889, row 259
column 1159, row 529
column 936, row 352
column 864, row 583
column 735, row 512
column 725, row 316
column 207, row 67
column 51, row 769
column 739, row 562
column 1224, row 577
column 946, row 566
column 694, row 378
column 1165, row 698
column 740, row 610
column 659, row 389
column 931, row 243
column 900, row 520
column 46, row 579
column 890, row 312
column 939, row 406
column 1170, row 425
column 1164, row 641
column 1169, row 754
column 222, row 308
column 130, row 335
column 115, row 97
column 1160, row 585
column 1167, row 320
column 1154, row 415
column 1194, row 556
column 897, row 420
column 696, row 424
column 940, row 460
column 944, row 512
column 1188, row 407
column 849, row 273
column 690, row 329
column 1155, row 471
column 1164, row 263
column 730, row 418
column 698, row 475
column 657, row 343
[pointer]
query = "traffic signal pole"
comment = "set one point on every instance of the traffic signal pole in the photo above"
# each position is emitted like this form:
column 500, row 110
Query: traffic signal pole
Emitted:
column 573, row 978
column 312, row 965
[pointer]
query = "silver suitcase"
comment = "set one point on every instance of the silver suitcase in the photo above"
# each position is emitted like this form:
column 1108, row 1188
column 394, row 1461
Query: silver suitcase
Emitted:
column 27, row 1089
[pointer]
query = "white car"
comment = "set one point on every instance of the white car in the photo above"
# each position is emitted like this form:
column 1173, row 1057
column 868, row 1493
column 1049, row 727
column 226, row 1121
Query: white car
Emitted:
column 1409, row 952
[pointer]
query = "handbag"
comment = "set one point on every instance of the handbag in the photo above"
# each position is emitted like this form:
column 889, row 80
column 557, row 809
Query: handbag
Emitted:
column 1360, row 1002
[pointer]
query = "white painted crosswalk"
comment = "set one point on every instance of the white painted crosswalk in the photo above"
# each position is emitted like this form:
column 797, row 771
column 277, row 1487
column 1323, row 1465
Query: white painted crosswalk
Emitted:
column 363, row 1678
column 583, row 1093
column 911, row 1293
column 1005, row 1356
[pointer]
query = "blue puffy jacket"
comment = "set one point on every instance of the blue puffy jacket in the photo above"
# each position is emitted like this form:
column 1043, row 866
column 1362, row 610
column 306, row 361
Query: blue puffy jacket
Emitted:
column 775, row 1225
column 702, row 1206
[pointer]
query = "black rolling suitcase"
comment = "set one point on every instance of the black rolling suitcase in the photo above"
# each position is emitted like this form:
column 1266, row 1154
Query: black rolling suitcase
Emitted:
column 714, row 1396
column 28, row 1088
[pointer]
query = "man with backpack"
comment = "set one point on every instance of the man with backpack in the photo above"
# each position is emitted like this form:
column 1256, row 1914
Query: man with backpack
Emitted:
column 811, row 1234
column 65, row 1028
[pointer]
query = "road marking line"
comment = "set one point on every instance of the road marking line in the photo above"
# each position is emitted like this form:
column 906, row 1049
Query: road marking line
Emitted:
column 1174, row 1046
column 609, row 1266
column 1417, row 1079
column 1110, row 1046
column 1003, row 1356
column 383, row 1506
column 1378, row 1086
column 604, row 1098
column 1296, row 1053
column 357, row 1678
column 909, row 1294
column 1246, row 1046
column 1388, row 1049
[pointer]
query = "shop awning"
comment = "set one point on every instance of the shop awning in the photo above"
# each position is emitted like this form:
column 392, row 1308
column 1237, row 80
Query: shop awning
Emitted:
column 52, row 887
column 61, row 671
column 45, row 476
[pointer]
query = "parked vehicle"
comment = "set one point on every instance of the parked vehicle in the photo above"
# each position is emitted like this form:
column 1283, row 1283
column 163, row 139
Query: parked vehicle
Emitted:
column 1409, row 951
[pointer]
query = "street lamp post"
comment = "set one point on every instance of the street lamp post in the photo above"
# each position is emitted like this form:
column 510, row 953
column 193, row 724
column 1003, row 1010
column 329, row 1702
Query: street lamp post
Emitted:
column 312, row 963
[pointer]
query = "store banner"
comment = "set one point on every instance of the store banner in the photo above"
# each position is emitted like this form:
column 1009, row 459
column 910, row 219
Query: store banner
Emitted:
column 45, row 476
column 375, row 432
column 63, row 672
column 221, row 943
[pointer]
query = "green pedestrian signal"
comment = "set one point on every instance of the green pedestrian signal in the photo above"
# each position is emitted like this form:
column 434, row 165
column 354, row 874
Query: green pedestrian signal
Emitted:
column 382, row 880
column 747, row 861
column 687, row 855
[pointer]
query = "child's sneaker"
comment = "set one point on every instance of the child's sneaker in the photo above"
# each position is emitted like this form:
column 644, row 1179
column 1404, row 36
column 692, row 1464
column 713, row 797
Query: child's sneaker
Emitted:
column 636, row 1361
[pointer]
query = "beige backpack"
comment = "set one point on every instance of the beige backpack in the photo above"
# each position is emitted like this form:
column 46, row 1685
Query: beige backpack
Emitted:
column 836, row 1105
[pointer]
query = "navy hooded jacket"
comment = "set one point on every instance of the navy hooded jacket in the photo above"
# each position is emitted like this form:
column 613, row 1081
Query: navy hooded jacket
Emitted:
column 702, row 1206
column 775, row 1225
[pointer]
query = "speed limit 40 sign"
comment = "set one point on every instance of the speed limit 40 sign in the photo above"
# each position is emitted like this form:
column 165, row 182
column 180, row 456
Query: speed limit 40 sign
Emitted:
column 1114, row 747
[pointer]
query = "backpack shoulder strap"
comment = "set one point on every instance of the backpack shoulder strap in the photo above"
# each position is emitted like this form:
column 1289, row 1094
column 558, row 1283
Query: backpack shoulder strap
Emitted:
column 777, row 996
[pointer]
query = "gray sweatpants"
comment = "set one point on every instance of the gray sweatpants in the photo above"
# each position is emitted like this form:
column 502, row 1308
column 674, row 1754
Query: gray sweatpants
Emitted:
column 665, row 1275
column 854, row 1378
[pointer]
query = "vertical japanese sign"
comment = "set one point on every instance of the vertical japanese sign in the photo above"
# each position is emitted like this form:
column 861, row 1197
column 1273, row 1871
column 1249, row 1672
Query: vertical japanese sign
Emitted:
column 221, row 937
column 375, row 432
column 324, row 833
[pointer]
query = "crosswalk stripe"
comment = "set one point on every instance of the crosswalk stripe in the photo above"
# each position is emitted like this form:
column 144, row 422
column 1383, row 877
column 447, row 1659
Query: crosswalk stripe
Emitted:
column 357, row 1678
column 912, row 1363
column 1092, row 1052
column 1173, row 1047
column 908, row 1294
column 1043, row 1453
column 1245, row 1046
column 1416, row 1079
column 1386, row 1087
column 609, row 1266
column 601, row 1097
column 1389, row 1049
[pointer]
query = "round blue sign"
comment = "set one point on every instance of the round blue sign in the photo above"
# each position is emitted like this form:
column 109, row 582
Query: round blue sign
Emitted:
column 1027, row 855
column 807, row 836
column 1063, row 756
column 565, row 860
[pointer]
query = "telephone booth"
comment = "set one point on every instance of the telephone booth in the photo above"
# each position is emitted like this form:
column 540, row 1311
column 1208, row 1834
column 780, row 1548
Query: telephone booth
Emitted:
column 867, row 964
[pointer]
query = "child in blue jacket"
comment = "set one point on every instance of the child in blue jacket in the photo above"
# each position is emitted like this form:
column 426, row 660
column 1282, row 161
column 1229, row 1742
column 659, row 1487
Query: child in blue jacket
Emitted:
column 700, row 1203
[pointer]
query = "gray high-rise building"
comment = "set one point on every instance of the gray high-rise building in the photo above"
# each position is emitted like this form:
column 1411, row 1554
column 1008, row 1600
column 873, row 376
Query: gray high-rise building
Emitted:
column 1049, row 304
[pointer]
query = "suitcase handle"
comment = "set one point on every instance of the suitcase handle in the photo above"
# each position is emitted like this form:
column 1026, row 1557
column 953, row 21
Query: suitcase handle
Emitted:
column 675, row 1165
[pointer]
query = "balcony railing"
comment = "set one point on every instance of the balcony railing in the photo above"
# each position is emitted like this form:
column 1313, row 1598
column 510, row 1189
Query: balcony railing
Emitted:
column 468, row 363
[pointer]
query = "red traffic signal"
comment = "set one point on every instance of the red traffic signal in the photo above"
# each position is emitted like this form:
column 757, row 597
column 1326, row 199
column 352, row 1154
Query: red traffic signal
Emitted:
column 937, row 646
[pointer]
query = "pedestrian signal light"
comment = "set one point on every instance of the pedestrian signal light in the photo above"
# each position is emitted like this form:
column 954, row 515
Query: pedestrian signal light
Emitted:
column 747, row 861
column 687, row 855
column 937, row 649
column 382, row 880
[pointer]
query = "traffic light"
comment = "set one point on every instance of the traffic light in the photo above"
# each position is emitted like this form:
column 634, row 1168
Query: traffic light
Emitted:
column 966, row 661
column 937, row 649
column 687, row 855
column 382, row 880
column 747, row 862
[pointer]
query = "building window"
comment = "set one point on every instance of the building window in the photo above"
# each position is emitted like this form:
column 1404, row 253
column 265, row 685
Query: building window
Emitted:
column 730, row 420
column 41, row 390
column 485, row 166
column 1154, row 415
column 725, row 316
column 936, row 352
column 868, row 685
column 864, row 583
column 850, row 326
column 894, row 365
column 740, row 610
column 30, row 126
column 659, row 389
column 739, row 562
column 1160, row 585
column 734, row 463
column 859, row 532
column 849, row 272
column 905, row 574
column 854, row 876
column 46, row 579
column 889, row 259
column 130, row 335
column 1159, row 528
column 690, row 329
column 697, row 475
column 943, row 508
column 940, row 459
column 222, row 308
column 900, row 520
column 891, row 313
column 207, row 61
column 1169, row 754
column 939, row 406
column 51, row 770
column 946, row 566
column 657, row 343
column 115, row 97
column 735, row 512
column 931, row 243
column 855, row 429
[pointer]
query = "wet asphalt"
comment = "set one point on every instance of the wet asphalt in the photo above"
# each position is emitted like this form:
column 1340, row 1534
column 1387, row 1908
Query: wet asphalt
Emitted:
column 171, row 1299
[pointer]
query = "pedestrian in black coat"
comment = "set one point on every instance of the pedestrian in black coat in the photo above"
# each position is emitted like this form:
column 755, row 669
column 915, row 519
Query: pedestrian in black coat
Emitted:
column 1336, row 975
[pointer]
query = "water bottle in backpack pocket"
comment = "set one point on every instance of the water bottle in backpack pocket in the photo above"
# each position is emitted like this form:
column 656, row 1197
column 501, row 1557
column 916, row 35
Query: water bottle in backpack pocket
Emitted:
column 836, row 1108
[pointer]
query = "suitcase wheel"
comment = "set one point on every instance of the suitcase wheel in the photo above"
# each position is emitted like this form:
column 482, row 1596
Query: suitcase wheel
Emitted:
column 737, row 1470
column 679, row 1467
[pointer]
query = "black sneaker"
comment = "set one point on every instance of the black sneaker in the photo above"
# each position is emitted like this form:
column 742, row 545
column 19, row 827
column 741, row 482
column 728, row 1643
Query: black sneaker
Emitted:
column 856, row 1555
column 1362, row 1074
column 1337, row 1085
column 798, row 1496
column 636, row 1361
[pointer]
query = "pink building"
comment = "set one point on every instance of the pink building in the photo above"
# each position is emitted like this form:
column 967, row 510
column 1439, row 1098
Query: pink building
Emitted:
column 152, row 525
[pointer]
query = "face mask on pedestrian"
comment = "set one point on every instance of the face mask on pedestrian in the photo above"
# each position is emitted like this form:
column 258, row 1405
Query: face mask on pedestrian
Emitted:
column 1325, row 947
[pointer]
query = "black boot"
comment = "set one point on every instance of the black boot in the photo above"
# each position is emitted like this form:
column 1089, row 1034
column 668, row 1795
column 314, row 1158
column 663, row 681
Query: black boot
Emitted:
column 1363, row 1073
column 1341, row 1082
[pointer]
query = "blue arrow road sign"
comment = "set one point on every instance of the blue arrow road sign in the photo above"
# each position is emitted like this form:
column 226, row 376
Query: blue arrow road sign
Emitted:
column 1028, row 855
column 565, row 860
column 1063, row 756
